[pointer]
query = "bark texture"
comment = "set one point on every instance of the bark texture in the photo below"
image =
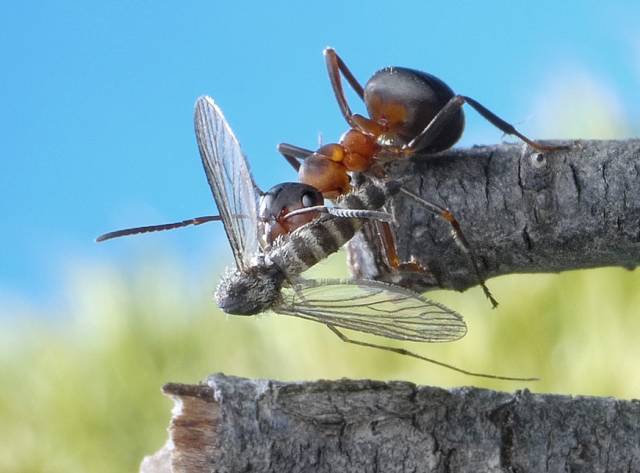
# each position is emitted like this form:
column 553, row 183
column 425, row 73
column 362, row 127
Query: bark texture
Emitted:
column 230, row 424
column 522, row 211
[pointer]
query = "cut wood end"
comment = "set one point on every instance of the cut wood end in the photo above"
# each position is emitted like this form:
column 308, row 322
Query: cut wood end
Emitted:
column 231, row 424
column 192, row 431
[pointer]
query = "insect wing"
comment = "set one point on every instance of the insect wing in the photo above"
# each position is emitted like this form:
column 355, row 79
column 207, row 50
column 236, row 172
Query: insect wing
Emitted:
column 230, row 180
column 373, row 307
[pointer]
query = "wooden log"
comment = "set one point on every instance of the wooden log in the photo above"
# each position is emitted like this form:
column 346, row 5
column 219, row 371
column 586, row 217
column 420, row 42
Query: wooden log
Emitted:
column 229, row 424
column 522, row 212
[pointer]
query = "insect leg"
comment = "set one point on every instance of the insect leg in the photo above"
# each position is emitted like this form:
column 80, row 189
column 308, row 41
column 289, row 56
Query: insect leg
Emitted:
column 442, row 118
column 458, row 236
column 343, row 213
column 402, row 351
column 508, row 128
column 388, row 244
column 293, row 153
column 335, row 66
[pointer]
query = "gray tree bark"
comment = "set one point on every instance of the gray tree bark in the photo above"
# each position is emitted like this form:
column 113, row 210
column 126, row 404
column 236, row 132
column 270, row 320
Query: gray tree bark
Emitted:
column 235, row 425
column 522, row 211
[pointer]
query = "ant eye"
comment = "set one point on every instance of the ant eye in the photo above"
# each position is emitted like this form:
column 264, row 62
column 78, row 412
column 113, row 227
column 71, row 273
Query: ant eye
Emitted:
column 307, row 200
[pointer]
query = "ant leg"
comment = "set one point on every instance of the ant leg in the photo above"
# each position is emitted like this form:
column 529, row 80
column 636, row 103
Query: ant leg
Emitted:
column 388, row 243
column 435, row 126
column 508, row 128
column 402, row 351
column 433, row 129
column 458, row 236
column 386, row 239
column 335, row 63
column 343, row 213
column 293, row 153
column 335, row 66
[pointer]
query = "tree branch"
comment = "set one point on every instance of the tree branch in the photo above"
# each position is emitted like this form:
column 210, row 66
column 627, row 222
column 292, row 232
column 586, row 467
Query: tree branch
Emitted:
column 232, row 424
column 521, row 211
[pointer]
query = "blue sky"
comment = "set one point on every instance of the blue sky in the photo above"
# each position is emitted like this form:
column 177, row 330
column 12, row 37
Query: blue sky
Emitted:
column 97, row 101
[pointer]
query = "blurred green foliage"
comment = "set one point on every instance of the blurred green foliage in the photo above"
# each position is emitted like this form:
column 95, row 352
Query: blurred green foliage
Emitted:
column 81, row 391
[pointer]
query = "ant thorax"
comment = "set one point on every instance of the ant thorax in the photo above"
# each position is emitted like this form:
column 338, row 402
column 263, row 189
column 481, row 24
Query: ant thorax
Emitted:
column 392, row 146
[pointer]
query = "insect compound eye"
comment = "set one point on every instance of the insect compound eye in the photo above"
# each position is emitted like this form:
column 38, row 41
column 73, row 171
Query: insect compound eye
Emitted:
column 308, row 200
column 266, row 203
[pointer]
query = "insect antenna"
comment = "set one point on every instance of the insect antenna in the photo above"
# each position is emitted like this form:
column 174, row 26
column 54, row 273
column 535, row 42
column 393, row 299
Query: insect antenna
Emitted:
column 157, row 228
column 402, row 351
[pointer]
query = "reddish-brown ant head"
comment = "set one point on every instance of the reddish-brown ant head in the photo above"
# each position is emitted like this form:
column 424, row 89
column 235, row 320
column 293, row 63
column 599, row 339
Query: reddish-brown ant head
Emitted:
column 404, row 101
column 282, row 199
column 325, row 172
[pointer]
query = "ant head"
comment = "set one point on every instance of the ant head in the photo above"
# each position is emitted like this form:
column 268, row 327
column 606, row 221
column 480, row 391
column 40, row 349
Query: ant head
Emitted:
column 325, row 171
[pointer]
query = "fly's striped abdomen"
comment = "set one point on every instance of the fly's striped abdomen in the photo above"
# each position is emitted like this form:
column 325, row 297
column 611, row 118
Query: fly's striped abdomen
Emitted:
column 310, row 244
column 315, row 241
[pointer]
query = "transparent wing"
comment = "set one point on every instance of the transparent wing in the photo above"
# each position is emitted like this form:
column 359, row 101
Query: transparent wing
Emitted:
column 373, row 307
column 230, row 180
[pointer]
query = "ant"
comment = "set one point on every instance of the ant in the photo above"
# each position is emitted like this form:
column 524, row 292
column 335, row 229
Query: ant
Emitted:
column 410, row 112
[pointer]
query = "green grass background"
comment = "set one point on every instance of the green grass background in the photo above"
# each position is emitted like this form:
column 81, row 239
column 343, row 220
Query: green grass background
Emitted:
column 81, row 390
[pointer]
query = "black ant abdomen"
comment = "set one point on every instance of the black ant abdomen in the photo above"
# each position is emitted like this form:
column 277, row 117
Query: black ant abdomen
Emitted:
column 407, row 100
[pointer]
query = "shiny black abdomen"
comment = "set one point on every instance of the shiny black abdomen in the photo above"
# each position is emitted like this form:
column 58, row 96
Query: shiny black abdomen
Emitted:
column 422, row 96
